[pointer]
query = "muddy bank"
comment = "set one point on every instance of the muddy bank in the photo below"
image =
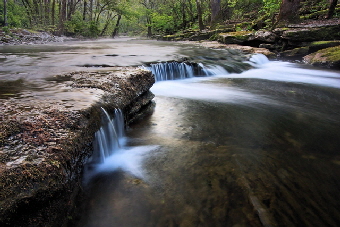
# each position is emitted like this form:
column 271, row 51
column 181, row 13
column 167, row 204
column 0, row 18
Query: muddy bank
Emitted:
column 44, row 143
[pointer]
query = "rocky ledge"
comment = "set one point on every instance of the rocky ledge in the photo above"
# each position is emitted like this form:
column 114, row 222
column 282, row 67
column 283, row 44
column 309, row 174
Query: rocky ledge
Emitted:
column 293, row 42
column 44, row 145
column 23, row 36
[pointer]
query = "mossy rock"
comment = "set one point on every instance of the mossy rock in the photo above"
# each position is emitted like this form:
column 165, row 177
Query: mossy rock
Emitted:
column 318, row 45
column 299, row 52
column 239, row 37
column 328, row 57
column 295, row 53
column 331, row 32
column 172, row 37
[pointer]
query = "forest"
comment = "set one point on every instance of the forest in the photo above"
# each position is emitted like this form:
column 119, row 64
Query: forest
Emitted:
column 96, row 18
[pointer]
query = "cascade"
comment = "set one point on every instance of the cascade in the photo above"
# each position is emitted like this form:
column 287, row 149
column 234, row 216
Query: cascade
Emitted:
column 176, row 71
column 109, row 137
column 258, row 60
column 110, row 150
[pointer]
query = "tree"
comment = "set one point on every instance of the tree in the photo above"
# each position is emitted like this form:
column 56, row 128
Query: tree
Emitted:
column 115, row 30
column 199, row 14
column 215, row 10
column 289, row 11
column 149, row 6
column 331, row 9
column 5, row 13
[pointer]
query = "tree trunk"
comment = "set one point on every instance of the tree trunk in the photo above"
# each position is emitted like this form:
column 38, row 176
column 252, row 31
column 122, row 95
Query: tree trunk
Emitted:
column 331, row 8
column 91, row 9
column 199, row 14
column 71, row 9
column 215, row 10
column 62, row 16
column 85, row 8
column 148, row 21
column 53, row 12
column 289, row 11
column 28, row 11
column 108, row 20
column 5, row 13
column 184, row 20
column 115, row 31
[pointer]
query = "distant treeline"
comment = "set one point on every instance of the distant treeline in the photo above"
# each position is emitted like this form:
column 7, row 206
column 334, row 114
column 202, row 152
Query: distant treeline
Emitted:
column 93, row 18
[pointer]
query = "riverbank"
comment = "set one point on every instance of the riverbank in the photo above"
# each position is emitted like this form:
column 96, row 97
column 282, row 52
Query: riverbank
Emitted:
column 46, row 139
column 306, row 42
column 45, row 143
column 27, row 37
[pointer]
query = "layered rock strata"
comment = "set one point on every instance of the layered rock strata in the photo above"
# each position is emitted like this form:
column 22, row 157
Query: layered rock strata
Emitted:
column 43, row 146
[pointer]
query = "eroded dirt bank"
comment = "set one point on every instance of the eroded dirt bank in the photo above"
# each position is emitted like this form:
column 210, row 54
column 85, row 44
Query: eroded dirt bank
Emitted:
column 45, row 142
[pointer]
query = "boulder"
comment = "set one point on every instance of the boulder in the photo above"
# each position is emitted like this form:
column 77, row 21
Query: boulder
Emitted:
column 318, row 45
column 307, row 33
column 299, row 52
column 328, row 57
column 240, row 37
column 265, row 36
column 296, row 53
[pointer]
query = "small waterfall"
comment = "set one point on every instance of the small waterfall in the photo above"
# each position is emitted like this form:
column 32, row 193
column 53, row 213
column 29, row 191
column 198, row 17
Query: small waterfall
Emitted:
column 176, row 71
column 109, row 137
column 111, row 151
column 258, row 60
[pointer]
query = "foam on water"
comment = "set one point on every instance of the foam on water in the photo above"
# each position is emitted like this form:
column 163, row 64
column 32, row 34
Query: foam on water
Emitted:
column 128, row 159
column 289, row 72
column 110, row 150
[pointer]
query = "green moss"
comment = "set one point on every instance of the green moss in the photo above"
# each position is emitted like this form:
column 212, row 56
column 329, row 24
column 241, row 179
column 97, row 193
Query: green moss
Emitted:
column 332, row 53
column 323, row 43
column 239, row 33
column 329, row 57
column 313, row 34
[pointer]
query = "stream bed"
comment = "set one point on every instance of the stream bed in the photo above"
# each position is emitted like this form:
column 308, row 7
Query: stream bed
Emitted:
column 257, row 148
column 260, row 148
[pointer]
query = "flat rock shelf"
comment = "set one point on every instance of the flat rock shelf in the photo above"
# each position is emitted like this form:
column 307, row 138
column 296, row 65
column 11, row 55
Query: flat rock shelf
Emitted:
column 45, row 141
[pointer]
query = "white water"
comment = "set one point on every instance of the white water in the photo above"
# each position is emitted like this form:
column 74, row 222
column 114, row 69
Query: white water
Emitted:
column 111, row 143
column 110, row 150
column 288, row 72
column 179, row 71
column 206, row 89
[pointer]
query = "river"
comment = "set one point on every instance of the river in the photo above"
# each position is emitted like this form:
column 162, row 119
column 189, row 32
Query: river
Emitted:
column 257, row 148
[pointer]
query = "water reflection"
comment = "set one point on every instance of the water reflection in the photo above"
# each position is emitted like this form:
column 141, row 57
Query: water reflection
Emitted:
column 41, row 61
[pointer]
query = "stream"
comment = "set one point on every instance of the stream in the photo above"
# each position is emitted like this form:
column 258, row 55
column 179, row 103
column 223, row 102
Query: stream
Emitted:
column 257, row 148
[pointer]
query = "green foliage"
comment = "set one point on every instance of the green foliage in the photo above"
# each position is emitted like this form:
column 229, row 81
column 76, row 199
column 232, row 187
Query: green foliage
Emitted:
column 162, row 23
column 16, row 14
column 270, row 7
column 143, row 16
column 78, row 26
column 6, row 30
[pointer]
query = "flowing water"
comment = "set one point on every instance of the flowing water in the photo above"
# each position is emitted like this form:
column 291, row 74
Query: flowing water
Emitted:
column 258, row 148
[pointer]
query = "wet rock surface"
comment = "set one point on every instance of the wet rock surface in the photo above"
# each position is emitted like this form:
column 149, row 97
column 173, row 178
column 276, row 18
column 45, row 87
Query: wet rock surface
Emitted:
column 44, row 144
